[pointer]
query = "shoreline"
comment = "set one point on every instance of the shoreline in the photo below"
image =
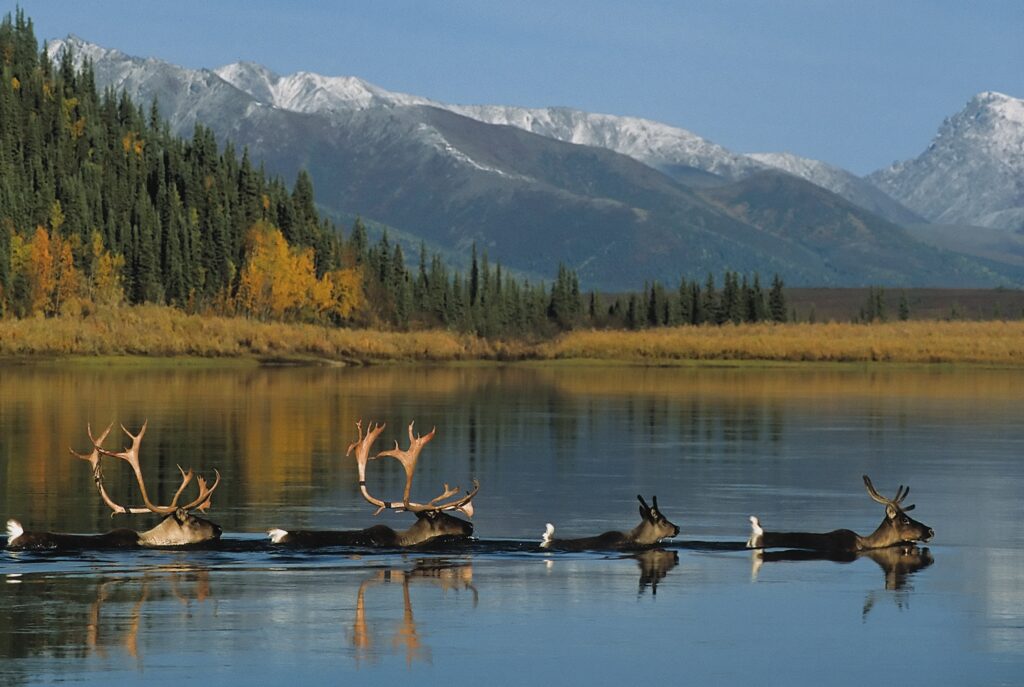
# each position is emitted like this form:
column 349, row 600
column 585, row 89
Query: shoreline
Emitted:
column 156, row 335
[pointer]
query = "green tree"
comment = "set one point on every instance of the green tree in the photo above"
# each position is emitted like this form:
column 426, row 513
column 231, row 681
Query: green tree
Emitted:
column 777, row 300
column 904, row 307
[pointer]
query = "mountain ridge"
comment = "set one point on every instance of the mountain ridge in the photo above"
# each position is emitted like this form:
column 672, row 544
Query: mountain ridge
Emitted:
column 533, row 201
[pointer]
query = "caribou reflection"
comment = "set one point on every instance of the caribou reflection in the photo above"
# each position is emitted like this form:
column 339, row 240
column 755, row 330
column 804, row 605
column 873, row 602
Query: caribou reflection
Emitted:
column 654, row 566
column 898, row 563
column 100, row 616
column 448, row 575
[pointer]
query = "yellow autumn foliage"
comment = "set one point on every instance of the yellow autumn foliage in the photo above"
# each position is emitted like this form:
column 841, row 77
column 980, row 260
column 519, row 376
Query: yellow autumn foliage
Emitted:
column 39, row 271
column 106, row 286
column 279, row 282
column 54, row 285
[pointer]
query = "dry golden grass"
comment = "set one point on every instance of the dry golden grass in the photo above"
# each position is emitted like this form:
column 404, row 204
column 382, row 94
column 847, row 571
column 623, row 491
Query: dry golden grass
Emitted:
column 998, row 343
column 164, row 332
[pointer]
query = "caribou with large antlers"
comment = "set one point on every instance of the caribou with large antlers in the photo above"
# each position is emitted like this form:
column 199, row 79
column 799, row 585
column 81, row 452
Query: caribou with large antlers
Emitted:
column 433, row 523
column 897, row 528
column 652, row 529
column 178, row 527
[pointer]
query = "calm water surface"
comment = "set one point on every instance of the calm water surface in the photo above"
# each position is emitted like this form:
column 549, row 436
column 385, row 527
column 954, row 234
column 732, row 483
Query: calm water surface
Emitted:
column 571, row 446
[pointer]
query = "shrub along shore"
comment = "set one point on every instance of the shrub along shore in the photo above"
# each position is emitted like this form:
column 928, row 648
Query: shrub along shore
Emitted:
column 164, row 332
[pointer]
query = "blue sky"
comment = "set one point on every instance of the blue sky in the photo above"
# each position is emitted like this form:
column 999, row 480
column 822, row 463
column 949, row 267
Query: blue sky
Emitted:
column 858, row 84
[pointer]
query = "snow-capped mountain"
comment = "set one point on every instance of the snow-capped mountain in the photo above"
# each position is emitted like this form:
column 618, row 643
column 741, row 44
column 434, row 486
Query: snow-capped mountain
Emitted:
column 620, row 199
column 661, row 146
column 658, row 145
column 842, row 183
column 973, row 170
column 312, row 93
column 677, row 152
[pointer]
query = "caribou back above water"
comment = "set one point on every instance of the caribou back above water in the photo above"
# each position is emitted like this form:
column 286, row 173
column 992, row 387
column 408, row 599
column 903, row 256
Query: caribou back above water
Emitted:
column 896, row 528
column 430, row 527
column 652, row 529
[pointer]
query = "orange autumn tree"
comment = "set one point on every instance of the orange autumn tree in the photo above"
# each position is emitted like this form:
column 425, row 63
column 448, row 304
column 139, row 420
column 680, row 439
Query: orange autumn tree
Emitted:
column 279, row 282
column 46, row 266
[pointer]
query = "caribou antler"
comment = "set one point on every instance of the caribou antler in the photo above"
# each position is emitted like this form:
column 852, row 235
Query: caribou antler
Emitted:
column 408, row 458
column 901, row 494
column 131, row 456
column 362, row 448
column 93, row 459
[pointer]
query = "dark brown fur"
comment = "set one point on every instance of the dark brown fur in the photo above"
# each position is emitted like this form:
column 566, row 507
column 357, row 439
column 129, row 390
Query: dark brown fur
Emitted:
column 652, row 529
column 176, row 529
column 430, row 526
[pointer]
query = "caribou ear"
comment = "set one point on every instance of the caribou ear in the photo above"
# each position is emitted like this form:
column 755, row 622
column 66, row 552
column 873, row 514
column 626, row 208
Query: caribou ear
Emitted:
column 180, row 516
column 890, row 512
column 910, row 507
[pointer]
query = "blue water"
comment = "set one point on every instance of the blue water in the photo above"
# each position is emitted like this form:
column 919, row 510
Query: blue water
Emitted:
column 572, row 447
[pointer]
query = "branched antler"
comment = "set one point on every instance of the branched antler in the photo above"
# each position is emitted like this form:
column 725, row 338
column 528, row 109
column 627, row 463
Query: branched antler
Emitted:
column 93, row 459
column 131, row 456
column 901, row 494
column 408, row 458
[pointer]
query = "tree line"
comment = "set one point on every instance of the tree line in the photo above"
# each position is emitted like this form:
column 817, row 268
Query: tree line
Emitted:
column 491, row 302
column 100, row 204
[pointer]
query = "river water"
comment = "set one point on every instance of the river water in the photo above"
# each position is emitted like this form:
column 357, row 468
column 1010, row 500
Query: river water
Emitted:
column 567, row 445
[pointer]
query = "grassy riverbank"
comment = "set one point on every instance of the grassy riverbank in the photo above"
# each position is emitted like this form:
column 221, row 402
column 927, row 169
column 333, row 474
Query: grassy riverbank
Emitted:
column 165, row 332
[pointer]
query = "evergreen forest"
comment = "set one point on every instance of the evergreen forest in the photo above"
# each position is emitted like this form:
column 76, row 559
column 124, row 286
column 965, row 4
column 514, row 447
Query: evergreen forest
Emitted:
column 100, row 205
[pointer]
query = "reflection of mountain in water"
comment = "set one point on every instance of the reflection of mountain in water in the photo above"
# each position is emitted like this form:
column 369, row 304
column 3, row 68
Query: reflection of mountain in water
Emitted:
column 1004, row 599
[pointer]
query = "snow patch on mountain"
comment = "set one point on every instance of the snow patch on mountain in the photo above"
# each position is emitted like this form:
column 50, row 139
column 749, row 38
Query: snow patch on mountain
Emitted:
column 312, row 93
column 973, row 170
column 658, row 145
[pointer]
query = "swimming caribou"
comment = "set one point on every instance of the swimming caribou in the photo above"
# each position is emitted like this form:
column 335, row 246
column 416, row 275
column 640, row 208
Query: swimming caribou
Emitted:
column 178, row 527
column 897, row 528
column 433, row 523
column 652, row 529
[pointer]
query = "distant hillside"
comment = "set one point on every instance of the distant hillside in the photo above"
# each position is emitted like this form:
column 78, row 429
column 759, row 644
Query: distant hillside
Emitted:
column 852, row 244
column 845, row 184
column 845, row 305
column 993, row 246
column 531, row 201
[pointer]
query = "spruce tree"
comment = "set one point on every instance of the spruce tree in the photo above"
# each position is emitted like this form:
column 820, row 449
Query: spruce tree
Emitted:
column 904, row 307
column 777, row 300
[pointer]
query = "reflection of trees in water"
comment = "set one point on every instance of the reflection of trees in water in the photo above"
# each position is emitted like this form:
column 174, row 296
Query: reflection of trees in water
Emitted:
column 77, row 617
column 406, row 637
column 279, row 435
